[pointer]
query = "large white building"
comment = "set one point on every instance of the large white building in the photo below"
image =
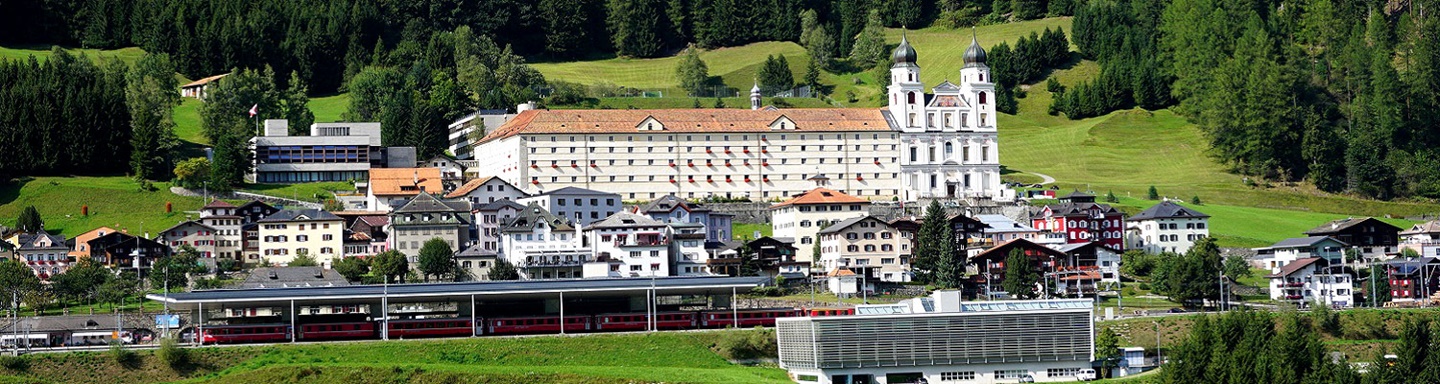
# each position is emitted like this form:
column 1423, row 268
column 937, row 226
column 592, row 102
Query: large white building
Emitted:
column 1311, row 281
column 937, row 145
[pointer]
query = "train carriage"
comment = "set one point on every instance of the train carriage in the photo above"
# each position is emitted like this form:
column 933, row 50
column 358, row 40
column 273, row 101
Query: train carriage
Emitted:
column 745, row 318
column 251, row 333
column 640, row 321
column 357, row 330
column 430, row 328
column 537, row 324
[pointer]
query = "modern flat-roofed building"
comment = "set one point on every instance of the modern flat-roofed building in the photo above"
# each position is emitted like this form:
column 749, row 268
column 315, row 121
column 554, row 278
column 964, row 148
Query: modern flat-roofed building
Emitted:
column 332, row 152
column 941, row 339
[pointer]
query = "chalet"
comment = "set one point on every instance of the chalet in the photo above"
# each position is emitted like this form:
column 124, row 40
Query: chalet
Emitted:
column 1289, row 250
column 121, row 250
column 79, row 245
column 1374, row 238
column 1413, row 278
column 869, row 245
column 486, row 190
column 452, row 172
column 992, row 263
column 772, row 257
column 45, row 254
column 672, row 209
column 200, row 88
column 1423, row 238
column 1312, row 280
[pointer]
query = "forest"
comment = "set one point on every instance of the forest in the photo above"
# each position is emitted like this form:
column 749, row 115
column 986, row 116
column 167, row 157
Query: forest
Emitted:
column 1342, row 93
column 326, row 42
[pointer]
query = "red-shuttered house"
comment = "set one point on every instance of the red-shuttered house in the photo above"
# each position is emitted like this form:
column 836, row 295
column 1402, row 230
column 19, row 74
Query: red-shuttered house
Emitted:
column 1082, row 220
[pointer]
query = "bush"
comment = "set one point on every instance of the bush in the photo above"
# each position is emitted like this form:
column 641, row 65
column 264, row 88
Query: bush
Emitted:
column 172, row 355
column 1128, row 291
column 125, row 358
column 757, row 343
column 1145, row 286
column 768, row 291
column 14, row 363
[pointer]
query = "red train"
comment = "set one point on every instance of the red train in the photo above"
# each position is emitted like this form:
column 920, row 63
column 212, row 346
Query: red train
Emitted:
column 453, row 327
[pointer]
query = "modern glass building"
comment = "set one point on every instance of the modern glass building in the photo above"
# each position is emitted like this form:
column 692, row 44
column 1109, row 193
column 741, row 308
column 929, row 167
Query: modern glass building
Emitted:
column 941, row 340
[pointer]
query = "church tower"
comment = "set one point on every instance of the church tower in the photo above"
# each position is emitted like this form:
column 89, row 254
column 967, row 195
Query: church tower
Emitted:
column 755, row 97
column 977, row 86
column 906, row 93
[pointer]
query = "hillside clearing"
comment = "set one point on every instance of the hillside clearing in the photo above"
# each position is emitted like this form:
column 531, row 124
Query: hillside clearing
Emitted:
column 114, row 201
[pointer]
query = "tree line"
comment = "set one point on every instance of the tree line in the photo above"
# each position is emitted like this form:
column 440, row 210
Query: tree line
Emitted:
column 65, row 115
column 1345, row 94
column 1249, row 346
column 325, row 42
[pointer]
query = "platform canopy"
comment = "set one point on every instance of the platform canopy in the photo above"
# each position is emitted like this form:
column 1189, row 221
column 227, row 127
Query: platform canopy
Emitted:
column 483, row 290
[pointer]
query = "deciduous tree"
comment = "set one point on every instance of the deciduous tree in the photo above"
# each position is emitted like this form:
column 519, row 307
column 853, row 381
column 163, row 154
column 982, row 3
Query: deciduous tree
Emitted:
column 436, row 259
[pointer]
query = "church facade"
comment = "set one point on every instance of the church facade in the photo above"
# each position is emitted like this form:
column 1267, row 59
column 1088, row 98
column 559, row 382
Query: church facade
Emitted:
column 941, row 144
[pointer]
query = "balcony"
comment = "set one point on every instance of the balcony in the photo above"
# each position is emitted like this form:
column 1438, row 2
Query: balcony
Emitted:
column 642, row 243
column 1294, row 284
column 542, row 262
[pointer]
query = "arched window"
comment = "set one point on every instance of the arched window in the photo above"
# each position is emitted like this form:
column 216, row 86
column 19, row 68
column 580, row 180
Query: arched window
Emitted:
column 982, row 98
column 982, row 77
column 911, row 97
column 949, row 149
column 886, row 248
column 853, row 248
column 869, row 235
column 869, row 248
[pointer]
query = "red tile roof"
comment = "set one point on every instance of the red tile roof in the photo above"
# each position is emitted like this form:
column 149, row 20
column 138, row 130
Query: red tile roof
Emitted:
column 689, row 120
column 218, row 204
column 404, row 181
column 822, row 196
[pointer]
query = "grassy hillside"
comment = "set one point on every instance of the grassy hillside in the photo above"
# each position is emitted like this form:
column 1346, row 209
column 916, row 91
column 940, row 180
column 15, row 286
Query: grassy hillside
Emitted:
column 1241, row 226
column 940, row 50
column 114, row 201
column 127, row 55
column 663, row 357
column 329, row 108
column 1129, row 151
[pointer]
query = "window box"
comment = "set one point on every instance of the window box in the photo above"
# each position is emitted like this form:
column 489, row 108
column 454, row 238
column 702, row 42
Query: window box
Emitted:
column 672, row 164
column 556, row 166
column 859, row 178
column 765, row 163
column 747, row 179
column 672, row 180
column 877, row 162
column 536, row 182
column 727, row 163
column 747, row 151
column 727, row 151
column 692, row 179
column 767, row 180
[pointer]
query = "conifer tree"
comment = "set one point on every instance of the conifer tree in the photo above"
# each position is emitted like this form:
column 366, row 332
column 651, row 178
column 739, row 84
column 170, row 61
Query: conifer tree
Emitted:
column 150, row 93
column 692, row 71
column 1020, row 276
column 869, row 48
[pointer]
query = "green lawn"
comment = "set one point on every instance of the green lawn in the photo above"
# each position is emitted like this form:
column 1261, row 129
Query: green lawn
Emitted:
column 304, row 191
column 114, row 201
column 1239, row 226
column 187, row 121
column 329, row 108
column 670, row 357
column 741, row 230
column 42, row 52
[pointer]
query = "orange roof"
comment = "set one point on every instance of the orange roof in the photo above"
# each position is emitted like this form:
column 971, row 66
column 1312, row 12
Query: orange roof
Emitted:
column 689, row 120
column 468, row 187
column 218, row 204
column 404, row 181
column 840, row 272
column 204, row 81
column 822, row 196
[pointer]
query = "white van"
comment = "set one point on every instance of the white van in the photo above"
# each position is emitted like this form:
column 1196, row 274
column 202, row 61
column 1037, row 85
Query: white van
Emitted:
column 1086, row 374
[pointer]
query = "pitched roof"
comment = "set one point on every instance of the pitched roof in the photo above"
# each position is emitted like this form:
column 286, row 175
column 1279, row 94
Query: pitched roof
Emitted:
column 502, row 203
column 1298, row 264
column 688, row 120
column 625, row 220
column 425, row 202
column 1002, row 250
column 527, row 219
column 1073, row 209
column 404, row 181
column 299, row 215
column 837, row 227
column 1167, row 210
column 1421, row 228
column 840, row 272
column 822, row 196
column 187, row 222
column 469, row 186
column 375, row 220
column 217, row 203
column 669, row 203
column 204, row 81
column 1337, row 226
column 475, row 251
column 1303, row 242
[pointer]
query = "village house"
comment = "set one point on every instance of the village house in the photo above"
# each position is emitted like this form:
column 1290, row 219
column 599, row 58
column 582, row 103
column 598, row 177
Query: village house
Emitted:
column 801, row 217
column 1312, row 281
column 1082, row 220
column 868, row 245
column 426, row 217
column 543, row 245
column 1372, row 237
column 1166, row 227
column 581, row 206
column 290, row 233
column 390, row 188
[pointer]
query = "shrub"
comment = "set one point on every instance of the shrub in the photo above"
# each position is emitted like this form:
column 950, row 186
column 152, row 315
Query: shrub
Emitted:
column 757, row 343
column 1145, row 286
column 14, row 363
column 125, row 358
column 1128, row 291
column 172, row 355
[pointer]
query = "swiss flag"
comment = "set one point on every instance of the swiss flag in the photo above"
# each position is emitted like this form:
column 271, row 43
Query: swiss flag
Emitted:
column 254, row 110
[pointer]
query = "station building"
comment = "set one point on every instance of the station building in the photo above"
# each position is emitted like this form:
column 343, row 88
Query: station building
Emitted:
column 941, row 339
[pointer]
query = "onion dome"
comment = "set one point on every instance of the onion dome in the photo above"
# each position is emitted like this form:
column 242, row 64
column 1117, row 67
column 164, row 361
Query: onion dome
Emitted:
column 974, row 55
column 904, row 54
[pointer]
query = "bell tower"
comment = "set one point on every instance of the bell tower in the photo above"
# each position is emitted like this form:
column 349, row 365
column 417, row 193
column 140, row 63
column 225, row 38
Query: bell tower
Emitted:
column 906, row 93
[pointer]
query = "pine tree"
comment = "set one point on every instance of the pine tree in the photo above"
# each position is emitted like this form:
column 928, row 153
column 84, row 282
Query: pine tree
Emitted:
column 296, row 105
column 869, row 48
column 1020, row 276
column 1152, row 194
column 150, row 94
column 30, row 221
column 812, row 76
column 929, row 248
column 502, row 271
column 692, row 71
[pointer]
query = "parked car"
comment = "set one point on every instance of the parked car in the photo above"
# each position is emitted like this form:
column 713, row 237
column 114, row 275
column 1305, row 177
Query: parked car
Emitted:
column 1086, row 374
